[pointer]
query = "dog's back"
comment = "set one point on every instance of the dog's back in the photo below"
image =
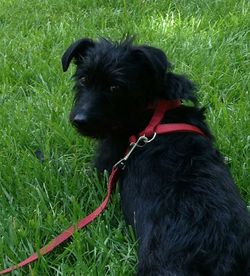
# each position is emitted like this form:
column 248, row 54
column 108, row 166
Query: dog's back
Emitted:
column 184, row 205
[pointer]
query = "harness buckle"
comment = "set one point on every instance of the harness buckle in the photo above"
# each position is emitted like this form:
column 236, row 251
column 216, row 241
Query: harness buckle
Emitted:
column 141, row 142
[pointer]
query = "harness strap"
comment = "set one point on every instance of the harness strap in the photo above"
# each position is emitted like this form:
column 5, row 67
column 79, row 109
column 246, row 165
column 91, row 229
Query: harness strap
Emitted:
column 160, row 109
column 178, row 127
column 154, row 126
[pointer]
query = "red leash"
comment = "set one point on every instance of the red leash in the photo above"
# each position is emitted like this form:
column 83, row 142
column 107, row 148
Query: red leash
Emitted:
column 71, row 230
column 154, row 128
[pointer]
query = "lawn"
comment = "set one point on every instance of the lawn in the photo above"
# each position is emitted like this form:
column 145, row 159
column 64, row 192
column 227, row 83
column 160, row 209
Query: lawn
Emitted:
column 46, row 179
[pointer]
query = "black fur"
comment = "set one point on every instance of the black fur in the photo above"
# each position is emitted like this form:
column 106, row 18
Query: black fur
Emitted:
column 176, row 191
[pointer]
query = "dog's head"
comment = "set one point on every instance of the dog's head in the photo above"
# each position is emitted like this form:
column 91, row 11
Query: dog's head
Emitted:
column 115, row 83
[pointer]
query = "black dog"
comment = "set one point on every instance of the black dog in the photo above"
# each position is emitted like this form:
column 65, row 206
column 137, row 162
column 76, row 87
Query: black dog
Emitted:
column 176, row 191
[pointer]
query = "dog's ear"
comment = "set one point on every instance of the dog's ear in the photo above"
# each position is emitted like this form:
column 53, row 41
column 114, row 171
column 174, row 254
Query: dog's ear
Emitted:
column 76, row 50
column 154, row 58
column 179, row 87
column 174, row 86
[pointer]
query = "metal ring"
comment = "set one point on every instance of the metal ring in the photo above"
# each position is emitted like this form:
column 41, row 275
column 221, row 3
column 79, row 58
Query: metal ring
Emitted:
column 150, row 140
column 144, row 140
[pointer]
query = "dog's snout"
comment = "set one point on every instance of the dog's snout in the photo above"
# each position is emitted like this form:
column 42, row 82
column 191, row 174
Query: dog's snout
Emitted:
column 79, row 119
column 86, row 124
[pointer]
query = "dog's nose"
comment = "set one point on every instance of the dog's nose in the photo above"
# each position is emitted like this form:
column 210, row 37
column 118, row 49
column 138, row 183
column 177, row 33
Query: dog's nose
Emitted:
column 79, row 119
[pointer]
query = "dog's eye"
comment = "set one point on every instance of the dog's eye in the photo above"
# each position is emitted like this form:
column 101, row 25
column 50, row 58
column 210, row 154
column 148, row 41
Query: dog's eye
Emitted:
column 82, row 81
column 114, row 88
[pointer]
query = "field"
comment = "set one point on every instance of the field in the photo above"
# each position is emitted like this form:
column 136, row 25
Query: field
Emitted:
column 46, row 179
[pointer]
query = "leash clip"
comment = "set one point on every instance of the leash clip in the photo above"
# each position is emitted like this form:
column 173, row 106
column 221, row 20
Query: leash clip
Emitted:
column 141, row 142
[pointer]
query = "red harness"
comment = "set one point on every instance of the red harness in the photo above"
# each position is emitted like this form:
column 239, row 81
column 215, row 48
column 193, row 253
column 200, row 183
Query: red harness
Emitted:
column 153, row 129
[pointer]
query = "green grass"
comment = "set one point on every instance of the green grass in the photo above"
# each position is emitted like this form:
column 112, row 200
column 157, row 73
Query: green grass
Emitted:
column 207, row 40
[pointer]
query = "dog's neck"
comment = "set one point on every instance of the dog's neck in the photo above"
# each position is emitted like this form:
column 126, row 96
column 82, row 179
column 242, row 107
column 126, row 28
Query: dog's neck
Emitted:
column 143, row 118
